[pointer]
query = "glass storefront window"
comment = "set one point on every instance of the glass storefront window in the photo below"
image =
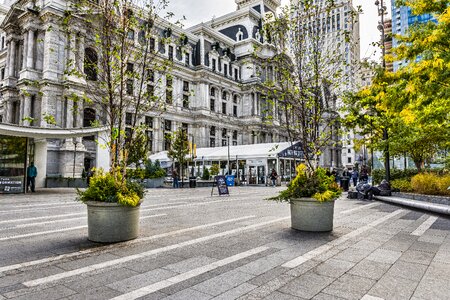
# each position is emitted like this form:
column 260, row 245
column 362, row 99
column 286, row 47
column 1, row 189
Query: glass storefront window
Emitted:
column 13, row 154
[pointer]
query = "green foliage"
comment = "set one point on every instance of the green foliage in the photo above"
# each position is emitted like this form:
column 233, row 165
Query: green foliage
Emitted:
column 151, row 171
column 205, row 175
column 378, row 175
column 431, row 184
column 138, row 150
column 154, row 170
column 307, row 183
column 214, row 170
column 179, row 148
column 404, row 185
column 111, row 187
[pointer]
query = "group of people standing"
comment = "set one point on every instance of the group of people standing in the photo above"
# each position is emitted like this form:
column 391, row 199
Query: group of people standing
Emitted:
column 354, row 176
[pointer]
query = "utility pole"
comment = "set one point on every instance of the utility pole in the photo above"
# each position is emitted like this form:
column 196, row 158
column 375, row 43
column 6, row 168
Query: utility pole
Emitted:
column 381, row 12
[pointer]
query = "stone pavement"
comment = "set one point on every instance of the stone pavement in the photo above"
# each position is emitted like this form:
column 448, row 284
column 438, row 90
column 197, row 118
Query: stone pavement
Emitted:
column 193, row 246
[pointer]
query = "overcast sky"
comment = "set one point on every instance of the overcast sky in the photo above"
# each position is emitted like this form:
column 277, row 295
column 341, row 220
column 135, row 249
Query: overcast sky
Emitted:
column 197, row 11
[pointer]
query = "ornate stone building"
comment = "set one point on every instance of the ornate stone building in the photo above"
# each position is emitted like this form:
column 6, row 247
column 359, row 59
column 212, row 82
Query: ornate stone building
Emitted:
column 218, row 67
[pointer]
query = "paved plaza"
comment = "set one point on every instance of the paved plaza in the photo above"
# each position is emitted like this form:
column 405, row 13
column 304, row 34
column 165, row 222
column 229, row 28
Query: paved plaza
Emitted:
column 194, row 246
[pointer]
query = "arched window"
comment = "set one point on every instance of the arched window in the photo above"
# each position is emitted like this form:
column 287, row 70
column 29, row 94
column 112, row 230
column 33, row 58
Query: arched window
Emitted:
column 90, row 64
column 88, row 117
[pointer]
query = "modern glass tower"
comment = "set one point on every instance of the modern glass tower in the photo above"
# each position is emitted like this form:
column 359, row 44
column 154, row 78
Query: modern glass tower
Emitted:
column 402, row 19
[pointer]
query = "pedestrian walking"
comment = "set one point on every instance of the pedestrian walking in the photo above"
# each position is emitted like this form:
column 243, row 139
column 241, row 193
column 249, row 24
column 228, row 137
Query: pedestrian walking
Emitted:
column 31, row 177
column 273, row 177
column 355, row 176
column 175, row 178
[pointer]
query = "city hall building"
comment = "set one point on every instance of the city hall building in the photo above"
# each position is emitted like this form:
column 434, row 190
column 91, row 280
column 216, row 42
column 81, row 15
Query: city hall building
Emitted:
column 214, row 86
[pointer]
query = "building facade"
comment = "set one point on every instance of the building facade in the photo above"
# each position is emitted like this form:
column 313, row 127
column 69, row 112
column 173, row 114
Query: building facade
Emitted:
column 402, row 20
column 214, row 92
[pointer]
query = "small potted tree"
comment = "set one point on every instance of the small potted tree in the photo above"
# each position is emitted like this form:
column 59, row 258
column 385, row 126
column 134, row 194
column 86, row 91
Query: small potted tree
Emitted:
column 311, row 196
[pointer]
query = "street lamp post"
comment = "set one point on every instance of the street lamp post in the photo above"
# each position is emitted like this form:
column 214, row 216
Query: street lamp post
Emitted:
column 228, row 164
column 381, row 12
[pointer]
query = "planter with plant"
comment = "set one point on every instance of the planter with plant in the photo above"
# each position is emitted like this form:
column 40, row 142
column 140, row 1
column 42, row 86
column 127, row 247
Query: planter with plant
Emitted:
column 113, row 207
column 311, row 196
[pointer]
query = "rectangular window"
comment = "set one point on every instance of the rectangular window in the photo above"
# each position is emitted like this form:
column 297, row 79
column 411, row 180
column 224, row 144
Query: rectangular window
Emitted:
column 150, row 91
column 150, row 76
column 129, row 119
column 167, row 141
column 131, row 35
column 349, row 150
column 212, row 105
column 235, row 135
column 224, row 95
column 213, row 65
column 130, row 87
column 234, row 143
column 185, row 86
column 152, row 44
column 349, row 159
column 170, row 52
column 167, row 125
column 224, row 108
column 224, row 133
column 212, row 142
column 130, row 67
column 224, row 142
column 149, row 140
column 149, row 122
column 234, row 110
column 225, row 69
column 236, row 74
column 185, row 129
column 2, row 74
column 212, row 131
column 187, row 59
column 185, row 101
column 169, row 84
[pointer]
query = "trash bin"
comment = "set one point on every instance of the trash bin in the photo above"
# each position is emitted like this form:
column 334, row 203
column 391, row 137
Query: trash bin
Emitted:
column 230, row 180
column 192, row 182
column 344, row 183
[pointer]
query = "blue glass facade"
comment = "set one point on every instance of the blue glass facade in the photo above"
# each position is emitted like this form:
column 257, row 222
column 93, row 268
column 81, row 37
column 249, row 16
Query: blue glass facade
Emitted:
column 402, row 19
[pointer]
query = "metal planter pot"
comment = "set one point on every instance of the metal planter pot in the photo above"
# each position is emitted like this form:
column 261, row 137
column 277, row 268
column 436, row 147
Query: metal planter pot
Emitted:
column 111, row 222
column 308, row 214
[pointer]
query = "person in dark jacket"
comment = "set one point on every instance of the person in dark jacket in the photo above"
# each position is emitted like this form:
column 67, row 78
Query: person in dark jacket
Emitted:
column 31, row 177
column 273, row 177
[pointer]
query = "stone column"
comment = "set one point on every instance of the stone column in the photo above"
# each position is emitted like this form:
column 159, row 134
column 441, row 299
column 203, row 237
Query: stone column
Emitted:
column 81, row 42
column 12, row 58
column 51, row 52
column 26, row 43
column 40, row 50
column 29, row 49
column 26, row 110
column 40, row 161
column 202, row 50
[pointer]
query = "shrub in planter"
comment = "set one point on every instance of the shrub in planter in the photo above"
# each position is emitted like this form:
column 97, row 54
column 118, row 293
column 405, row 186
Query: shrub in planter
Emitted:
column 205, row 175
column 154, row 170
column 310, row 184
column 431, row 184
column 113, row 207
column 404, row 185
column 311, row 197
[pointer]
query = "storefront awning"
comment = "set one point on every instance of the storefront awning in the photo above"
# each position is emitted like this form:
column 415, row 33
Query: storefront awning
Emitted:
column 47, row 133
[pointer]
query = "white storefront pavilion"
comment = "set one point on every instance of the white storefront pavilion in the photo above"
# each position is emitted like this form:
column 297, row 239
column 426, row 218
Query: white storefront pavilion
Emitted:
column 251, row 164
column 34, row 148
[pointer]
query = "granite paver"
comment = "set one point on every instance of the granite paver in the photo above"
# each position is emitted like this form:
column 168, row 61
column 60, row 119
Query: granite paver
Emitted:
column 386, row 261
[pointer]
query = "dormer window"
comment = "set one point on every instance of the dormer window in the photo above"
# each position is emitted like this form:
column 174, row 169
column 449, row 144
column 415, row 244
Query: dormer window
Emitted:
column 239, row 35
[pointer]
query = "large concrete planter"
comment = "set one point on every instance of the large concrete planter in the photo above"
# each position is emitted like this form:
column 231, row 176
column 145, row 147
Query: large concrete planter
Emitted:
column 153, row 183
column 308, row 214
column 111, row 222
